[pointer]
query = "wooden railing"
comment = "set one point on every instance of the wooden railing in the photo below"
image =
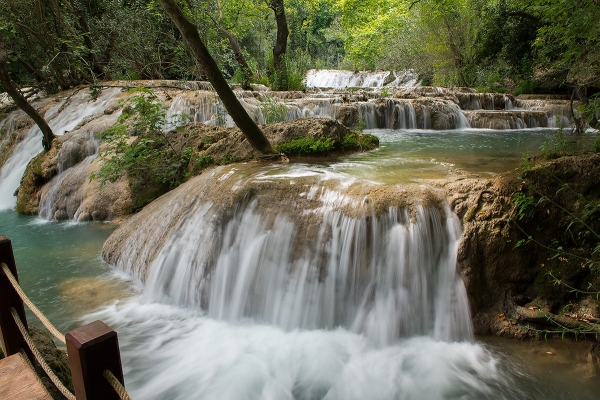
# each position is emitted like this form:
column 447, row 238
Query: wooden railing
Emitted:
column 93, row 349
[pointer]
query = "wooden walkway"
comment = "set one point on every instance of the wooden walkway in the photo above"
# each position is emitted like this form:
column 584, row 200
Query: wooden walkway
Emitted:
column 19, row 382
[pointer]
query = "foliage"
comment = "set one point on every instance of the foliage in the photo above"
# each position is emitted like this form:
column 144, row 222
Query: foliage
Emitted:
column 201, row 162
column 525, row 164
column 494, row 45
column 572, row 28
column 591, row 111
column 306, row 146
column 291, row 75
column 273, row 111
column 555, row 147
column 227, row 159
column 361, row 124
column 356, row 141
column 596, row 144
column 136, row 144
column 524, row 205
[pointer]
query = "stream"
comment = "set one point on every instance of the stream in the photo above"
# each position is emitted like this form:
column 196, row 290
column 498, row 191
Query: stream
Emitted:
column 176, row 349
column 281, row 281
column 172, row 352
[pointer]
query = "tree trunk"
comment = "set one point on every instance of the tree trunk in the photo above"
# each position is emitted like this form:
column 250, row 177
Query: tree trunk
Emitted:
column 234, row 45
column 456, row 54
column 282, row 33
column 241, row 118
column 21, row 101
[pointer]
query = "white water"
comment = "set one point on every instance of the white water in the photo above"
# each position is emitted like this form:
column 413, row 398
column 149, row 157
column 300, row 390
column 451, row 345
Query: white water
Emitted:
column 384, row 278
column 480, row 110
column 78, row 108
column 339, row 79
column 175, row 353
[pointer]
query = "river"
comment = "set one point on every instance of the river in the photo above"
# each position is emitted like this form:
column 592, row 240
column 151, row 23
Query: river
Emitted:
column 177, row 349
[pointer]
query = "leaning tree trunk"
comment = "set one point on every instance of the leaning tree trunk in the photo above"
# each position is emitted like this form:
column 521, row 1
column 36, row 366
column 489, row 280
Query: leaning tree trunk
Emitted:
column 234, row 45
column 241, row 118
column 282, row 33
column 21, row 101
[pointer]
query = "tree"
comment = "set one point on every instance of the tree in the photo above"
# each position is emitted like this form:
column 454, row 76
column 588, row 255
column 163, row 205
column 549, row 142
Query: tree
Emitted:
column 234, row 45
column 569, row 37
column 21, row 101
column 282, row 34
column 190, row 33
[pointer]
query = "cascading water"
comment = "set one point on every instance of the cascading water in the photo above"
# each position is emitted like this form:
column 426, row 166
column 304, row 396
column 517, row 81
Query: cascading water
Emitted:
column 303, row 288
column 61, row 119
column 289, row 286
column 386, row 277
column 433, row 108
column 340, row 79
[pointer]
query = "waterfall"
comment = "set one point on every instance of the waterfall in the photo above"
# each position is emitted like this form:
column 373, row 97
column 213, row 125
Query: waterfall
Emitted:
column 368, row 112
column 386, row 277
column 203, row 107
column 61, row 119
column 412, row 116
column 340, row 79
column 7, row 125
column 13, row 169
column 426, row 117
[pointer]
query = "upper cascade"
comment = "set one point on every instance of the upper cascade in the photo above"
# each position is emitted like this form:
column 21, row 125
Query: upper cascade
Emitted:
column 339, row 79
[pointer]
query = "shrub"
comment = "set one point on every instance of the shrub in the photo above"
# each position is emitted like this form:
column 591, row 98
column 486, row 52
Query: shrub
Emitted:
column 151, row 155
column 273, row 111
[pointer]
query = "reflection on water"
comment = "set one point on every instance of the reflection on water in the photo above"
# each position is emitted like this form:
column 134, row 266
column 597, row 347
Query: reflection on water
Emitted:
column 79, row 295
column 554, row 369
column 413, row 155
column 48, row 254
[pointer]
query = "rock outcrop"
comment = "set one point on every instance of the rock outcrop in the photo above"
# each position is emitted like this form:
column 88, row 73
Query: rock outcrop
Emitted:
column 527, row 272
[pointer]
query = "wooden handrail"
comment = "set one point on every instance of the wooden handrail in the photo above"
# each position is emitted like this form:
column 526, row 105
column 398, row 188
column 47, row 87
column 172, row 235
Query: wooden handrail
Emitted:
column 12, row 340
column 92, row 348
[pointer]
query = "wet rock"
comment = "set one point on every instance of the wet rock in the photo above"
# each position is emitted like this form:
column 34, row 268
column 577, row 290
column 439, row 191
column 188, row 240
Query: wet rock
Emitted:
column 84, row 217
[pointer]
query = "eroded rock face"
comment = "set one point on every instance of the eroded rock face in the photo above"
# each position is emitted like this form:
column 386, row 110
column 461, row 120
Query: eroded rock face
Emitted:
column 504, row 283
column 231, row 142
column 57, row 184
column 511, row 286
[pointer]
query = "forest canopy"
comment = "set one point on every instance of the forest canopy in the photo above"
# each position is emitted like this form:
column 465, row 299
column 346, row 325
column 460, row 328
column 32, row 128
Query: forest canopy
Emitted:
column 494, row 45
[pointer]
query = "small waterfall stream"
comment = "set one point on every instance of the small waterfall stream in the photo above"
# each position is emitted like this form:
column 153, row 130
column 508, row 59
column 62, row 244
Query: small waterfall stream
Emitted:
column 338, row 79
column 61, row 119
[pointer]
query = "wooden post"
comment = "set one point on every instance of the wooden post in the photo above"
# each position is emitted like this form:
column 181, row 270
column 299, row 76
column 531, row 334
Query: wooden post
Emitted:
column 12, row 340
column 92, row 349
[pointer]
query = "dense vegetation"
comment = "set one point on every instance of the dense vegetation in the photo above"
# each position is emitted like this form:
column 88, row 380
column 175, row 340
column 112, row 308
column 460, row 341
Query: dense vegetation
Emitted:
column 514, row 45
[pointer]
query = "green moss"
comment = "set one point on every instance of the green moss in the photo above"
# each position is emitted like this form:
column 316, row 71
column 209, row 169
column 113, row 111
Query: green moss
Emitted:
column 358, row 141
column 32, row 181
column 142, row 202
column 306, row 146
